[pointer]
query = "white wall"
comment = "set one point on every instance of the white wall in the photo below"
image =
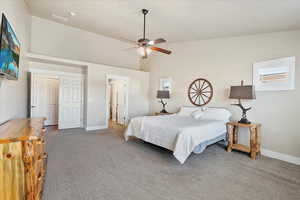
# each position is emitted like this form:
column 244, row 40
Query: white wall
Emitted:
column 138, row 103
column 58, row 40
column 13, row 94
column 226, row 62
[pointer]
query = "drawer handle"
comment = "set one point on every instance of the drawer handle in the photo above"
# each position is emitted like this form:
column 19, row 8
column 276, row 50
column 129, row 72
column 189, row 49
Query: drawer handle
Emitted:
column 9, row 155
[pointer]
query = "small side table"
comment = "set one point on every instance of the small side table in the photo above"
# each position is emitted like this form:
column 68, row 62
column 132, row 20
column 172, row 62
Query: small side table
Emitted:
column 233, row 129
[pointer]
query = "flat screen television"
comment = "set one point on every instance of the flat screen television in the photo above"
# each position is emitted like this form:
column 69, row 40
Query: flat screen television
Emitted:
column 9, row 51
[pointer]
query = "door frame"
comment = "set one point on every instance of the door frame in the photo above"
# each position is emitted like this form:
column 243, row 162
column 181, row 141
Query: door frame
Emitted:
column 117, row 77
column 58, row 75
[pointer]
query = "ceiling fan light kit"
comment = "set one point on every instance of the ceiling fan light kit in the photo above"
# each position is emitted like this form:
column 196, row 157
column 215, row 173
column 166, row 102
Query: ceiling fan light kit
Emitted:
column 145, row 46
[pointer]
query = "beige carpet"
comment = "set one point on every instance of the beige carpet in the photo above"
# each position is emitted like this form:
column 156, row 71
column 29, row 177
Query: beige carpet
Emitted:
column 100, row 165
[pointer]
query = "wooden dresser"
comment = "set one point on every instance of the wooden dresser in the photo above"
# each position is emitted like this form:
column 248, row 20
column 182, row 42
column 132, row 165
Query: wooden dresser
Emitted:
column 22, row 159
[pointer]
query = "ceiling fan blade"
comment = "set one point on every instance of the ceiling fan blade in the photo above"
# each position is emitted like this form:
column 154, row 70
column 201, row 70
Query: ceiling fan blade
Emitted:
column 161, row 50
column 157, row 41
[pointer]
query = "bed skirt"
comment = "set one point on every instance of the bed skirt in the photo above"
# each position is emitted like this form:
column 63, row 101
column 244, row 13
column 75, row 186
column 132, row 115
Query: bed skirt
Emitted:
column 202, row 146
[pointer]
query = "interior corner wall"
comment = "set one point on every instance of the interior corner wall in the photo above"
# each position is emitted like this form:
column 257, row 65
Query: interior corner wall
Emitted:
column 225, row 62
column 13, row 94
column 58, row 40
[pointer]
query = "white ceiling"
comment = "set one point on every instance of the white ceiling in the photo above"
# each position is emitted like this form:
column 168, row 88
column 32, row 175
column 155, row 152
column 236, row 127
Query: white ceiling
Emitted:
column 174, row 20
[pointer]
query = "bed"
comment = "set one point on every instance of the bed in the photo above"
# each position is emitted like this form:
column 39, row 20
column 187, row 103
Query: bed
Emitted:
column 190, row 130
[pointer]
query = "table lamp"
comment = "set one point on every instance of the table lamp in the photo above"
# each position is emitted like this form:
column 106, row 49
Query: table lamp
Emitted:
column 163, row 94
column 242, row 92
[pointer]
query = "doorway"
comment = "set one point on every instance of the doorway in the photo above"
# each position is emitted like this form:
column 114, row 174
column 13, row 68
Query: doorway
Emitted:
column 58, row 98
column 117, row 98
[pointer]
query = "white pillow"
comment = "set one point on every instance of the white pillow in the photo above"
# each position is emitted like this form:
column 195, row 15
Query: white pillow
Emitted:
column 216, row 114
column 187, row 110
column 197, row 114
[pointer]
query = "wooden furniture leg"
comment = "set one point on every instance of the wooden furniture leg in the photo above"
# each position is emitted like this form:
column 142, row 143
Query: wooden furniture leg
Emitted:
column 230, row 137
column 235, row 134
column 253, row 144
column 258, row 139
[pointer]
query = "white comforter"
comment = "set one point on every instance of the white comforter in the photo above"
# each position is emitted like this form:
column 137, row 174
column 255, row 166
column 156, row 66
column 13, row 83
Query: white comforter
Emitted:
column 179, row 134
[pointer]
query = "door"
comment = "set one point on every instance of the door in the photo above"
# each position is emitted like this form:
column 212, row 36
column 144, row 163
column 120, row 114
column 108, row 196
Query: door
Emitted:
column 44, row 98
column 70, row 102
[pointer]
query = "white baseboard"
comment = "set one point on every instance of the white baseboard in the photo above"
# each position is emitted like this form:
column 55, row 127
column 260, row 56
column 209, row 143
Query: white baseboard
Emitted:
column 281, row 156
column 91, row 128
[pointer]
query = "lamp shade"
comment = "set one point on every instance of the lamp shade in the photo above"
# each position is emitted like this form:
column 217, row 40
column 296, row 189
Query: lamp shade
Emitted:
column 242, row 92
column 163, row 94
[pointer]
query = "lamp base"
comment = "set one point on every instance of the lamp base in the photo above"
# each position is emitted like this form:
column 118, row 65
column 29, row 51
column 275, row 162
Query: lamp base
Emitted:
column 244, row 121
column 163, row 111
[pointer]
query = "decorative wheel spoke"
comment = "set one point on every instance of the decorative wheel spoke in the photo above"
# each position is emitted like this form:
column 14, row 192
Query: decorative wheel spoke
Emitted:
column 200, row 92
column 202, row 85
column 205, row 95
column 206, row 87
column 194, row 95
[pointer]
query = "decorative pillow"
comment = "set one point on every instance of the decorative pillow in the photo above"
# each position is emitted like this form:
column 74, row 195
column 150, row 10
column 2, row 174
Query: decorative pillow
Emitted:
column 216, row 114
column 187, row 110
column 197, row 114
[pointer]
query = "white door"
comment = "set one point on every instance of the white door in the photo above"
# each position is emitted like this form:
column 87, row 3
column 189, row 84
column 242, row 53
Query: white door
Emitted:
column 70, row 102
column 44, row 98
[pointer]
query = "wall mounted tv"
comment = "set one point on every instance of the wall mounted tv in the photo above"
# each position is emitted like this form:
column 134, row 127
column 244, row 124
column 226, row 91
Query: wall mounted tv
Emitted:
column 9, row 51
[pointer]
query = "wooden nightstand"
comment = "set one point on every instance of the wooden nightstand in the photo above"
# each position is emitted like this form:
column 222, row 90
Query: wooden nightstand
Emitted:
column 159, row 113
column 233, row 129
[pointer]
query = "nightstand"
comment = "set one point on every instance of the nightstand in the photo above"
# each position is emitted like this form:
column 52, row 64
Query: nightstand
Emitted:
column 254, row 129
column 159, row 113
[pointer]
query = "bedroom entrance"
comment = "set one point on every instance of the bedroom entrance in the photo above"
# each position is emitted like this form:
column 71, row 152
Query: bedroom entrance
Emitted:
column 117, row 98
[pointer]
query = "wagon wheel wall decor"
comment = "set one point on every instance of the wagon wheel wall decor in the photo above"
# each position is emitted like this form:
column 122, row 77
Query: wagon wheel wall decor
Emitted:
column 200, row 92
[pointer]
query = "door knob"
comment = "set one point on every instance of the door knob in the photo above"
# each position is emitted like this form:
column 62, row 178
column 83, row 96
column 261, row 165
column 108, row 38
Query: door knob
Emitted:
column 33, row 106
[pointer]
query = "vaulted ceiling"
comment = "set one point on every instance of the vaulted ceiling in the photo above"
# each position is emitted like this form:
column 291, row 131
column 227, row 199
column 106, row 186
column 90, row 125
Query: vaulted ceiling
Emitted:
column 175, row 20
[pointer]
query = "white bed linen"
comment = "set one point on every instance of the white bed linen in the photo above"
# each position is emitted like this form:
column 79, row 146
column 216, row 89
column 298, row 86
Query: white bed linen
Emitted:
column 180, row 134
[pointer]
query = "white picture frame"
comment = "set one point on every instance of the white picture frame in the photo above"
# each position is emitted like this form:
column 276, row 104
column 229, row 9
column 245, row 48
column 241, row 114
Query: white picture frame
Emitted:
column 165, row 84
column 275, row 75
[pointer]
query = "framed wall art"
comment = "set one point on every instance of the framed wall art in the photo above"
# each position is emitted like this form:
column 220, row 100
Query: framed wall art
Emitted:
column 274, row 75
column 165, row 84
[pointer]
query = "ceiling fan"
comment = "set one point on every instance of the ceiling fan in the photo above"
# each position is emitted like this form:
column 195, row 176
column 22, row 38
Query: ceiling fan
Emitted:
column 145, row 46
